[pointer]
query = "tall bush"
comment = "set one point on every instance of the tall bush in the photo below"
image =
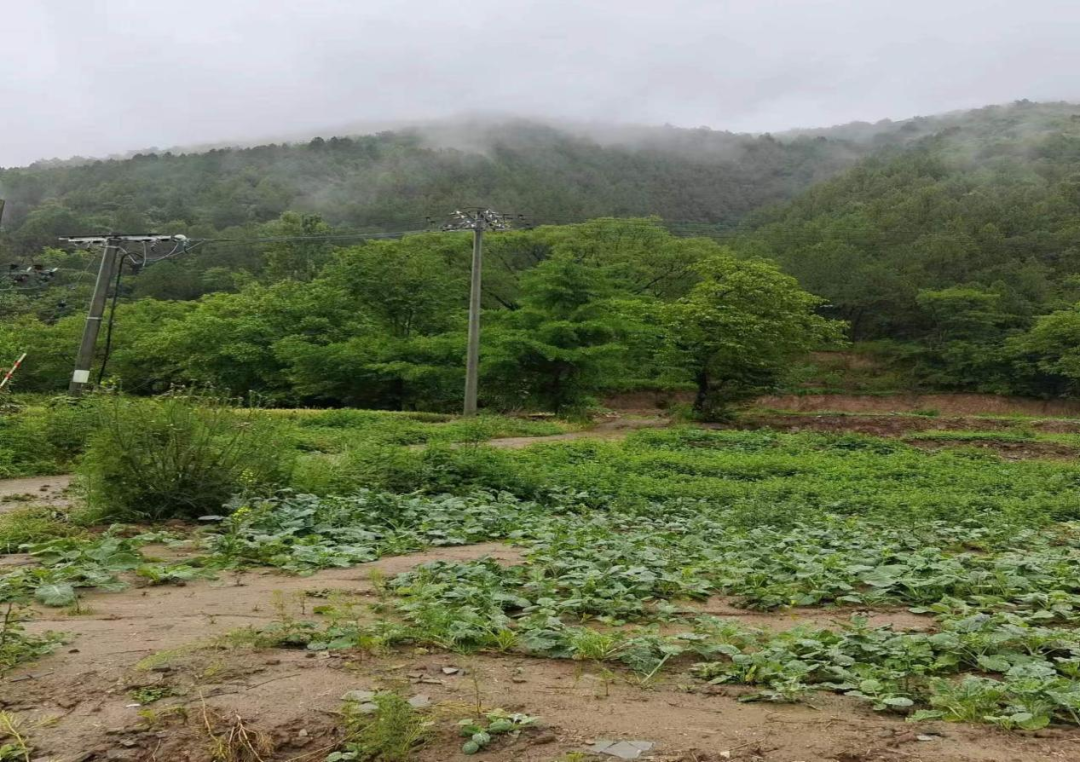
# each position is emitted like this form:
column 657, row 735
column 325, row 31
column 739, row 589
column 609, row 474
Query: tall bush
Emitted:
column 179, row 457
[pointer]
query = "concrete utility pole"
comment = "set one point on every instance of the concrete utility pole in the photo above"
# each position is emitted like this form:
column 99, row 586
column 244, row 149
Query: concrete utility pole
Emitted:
column 112, row 258
column 85, row 358
column 472, row 356
column 477, row 220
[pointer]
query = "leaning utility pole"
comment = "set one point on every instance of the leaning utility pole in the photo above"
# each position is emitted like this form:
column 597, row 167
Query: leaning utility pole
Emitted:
column 112, row 257
column 477, row 220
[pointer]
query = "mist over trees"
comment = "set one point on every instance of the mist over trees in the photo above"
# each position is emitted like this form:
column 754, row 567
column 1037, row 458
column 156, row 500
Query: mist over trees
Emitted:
column 947, row 252
column 393, row 180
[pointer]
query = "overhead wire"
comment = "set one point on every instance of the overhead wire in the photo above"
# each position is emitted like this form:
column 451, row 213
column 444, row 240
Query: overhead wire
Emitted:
column 679, row 228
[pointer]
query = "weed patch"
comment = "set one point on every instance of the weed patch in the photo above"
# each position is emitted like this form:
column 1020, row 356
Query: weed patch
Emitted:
column 16, row 646
column 391, row 731
column 33, row 525
column 179, row 458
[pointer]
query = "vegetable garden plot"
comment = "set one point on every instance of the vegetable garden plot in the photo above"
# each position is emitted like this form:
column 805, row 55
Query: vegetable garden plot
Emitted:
column 988, row 551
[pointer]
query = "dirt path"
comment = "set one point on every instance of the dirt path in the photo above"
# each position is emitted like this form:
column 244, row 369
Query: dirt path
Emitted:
column 35, row 489
column 617, row 428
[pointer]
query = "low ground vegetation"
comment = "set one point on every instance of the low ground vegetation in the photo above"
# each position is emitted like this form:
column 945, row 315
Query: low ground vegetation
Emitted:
column 42, row 436
column 626, row 542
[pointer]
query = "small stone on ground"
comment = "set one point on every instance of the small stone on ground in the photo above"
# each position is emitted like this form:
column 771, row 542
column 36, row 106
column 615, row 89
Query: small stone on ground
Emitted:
column 622, row 749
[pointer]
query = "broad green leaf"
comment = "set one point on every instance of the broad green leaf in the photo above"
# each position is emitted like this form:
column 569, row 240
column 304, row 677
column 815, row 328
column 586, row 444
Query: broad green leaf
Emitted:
column 57, row 594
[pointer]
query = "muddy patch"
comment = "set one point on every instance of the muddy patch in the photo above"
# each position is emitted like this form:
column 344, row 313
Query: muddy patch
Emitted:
column 614, row 429
column 37, row 490
column 835, row 618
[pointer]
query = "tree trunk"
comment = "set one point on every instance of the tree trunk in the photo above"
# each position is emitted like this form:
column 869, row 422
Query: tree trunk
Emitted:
column 701, row 400
column 398, row 393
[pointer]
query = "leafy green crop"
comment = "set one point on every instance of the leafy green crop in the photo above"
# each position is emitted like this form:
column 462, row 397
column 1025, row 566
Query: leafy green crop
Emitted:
column 16, row 646
column 480, row 733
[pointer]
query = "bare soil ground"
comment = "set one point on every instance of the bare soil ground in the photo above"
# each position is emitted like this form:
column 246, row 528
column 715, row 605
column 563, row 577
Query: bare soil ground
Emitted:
column 613, row 428
column 77, row 704
column 945, row 404
column 39, row 490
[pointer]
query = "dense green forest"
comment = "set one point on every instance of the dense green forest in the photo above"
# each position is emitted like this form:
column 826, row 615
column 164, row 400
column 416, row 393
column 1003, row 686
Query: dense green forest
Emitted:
column 950, row 253
column 571, row 311
column 393, row 180
column 950, row 246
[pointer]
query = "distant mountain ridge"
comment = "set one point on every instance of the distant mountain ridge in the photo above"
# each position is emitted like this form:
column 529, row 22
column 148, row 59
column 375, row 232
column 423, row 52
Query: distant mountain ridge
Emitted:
column 392, row 180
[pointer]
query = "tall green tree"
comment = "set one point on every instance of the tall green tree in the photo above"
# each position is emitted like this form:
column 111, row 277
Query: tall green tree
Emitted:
column 738, row 328
column 1048, row 356
column 561, row 347
column 296, row 260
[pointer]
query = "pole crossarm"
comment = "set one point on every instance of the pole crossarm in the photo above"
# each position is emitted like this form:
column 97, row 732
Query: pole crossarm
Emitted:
column 112, row 259
column 101, row 240
column 477, row 218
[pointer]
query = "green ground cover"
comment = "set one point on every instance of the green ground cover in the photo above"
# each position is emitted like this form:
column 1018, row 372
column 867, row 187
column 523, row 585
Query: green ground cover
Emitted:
column 41, row 436
column 620, row 538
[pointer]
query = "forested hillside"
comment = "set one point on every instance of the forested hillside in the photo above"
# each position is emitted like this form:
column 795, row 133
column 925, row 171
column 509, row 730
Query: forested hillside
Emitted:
column 392, row 180
column 951, row 249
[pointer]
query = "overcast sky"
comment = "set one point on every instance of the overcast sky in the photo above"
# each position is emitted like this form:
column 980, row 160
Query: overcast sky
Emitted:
column 94, row 77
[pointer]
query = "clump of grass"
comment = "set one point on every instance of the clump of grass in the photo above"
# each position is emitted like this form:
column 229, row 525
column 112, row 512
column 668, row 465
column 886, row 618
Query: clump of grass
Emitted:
column 24, row 451
column 148, row 694
column 391, row 733
column 231, row 739
column 14, row 746
column 33, row 524
column 169, row 656
column 367, row 465
column 16, row 646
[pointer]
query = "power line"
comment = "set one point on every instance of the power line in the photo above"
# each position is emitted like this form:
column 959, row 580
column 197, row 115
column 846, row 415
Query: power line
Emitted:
column 328, row 237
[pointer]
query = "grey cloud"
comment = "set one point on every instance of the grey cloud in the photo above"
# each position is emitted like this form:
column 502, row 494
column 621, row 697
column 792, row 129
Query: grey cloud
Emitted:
column 94, row 77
